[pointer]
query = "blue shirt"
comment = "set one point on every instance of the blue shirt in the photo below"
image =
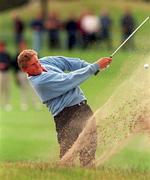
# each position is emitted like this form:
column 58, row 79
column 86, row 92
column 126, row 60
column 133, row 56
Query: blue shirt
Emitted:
column 59, row 86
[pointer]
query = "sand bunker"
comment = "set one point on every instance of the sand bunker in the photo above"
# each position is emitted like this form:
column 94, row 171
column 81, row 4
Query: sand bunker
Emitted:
column 126, row 113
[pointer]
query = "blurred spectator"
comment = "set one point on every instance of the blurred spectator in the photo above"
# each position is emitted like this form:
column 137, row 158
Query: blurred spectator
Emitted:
column 53, row 25
column 128, row 26
column 71, row 29
column 80, row 30
column 27, row 96
column 19, row 28
column 105, row 29
column 5, row 61
column 90, row 27
column 37, row 26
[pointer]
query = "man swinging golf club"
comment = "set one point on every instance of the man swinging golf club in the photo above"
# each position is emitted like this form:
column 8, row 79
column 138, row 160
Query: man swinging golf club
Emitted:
column 62, row 95
column 60, row 92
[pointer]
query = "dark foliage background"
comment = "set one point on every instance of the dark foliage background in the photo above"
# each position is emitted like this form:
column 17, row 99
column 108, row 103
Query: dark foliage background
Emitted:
column 9, row 4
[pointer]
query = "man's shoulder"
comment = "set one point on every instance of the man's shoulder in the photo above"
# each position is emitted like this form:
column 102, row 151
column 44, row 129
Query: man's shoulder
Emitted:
column 39, row 78
column 53, row 60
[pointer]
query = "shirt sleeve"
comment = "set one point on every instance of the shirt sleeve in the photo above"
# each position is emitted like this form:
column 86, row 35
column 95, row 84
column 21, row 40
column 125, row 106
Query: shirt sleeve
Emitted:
column 67, row 63
column 59, row 83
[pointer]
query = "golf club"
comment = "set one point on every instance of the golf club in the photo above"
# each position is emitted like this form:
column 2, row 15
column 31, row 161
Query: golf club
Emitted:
column 130, row 36
column 143, row 22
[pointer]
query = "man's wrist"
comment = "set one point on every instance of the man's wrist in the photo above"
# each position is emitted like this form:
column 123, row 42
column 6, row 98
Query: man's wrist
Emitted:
column 97, row 68
column 96, row 72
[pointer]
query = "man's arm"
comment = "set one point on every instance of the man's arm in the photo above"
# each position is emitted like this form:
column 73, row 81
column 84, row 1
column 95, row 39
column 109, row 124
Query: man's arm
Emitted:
column 66, row 63
column 56, row 84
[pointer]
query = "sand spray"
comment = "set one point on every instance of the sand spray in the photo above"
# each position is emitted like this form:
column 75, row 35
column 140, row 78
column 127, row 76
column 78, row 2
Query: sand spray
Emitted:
column 123, row 116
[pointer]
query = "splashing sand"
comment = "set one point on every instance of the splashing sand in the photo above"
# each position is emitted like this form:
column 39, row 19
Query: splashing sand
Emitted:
column 126, row 113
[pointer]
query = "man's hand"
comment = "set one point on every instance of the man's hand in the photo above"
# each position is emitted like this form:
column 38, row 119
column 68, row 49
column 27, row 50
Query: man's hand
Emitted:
column 104, row 62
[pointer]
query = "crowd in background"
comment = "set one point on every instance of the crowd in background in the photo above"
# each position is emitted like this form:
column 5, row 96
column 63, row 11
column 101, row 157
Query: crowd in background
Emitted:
column 82, row 32
column 7, row 63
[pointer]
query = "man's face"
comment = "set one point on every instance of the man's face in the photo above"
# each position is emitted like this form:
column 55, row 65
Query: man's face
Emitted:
column 33, row 67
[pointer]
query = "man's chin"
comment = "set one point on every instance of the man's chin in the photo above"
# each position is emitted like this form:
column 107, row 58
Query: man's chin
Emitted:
column 34, row 73
column 37, row 73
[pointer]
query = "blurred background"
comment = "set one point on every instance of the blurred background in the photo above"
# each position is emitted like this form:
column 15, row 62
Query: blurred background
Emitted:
column 77, row 28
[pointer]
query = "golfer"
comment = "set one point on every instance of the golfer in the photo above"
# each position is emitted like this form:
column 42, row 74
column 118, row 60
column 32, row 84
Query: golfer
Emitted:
column 56, row 80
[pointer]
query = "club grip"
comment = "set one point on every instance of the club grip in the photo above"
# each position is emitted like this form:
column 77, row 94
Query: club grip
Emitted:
column 96, row 72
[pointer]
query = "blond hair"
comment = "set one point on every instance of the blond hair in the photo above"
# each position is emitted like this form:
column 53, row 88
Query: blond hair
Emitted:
column 24, row 57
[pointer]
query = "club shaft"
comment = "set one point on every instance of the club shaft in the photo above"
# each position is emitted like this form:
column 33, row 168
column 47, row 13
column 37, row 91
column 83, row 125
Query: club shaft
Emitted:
column 130, row 36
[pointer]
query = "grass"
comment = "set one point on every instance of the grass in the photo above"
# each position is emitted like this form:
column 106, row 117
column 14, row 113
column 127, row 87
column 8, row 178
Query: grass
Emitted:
column 28, row 145
column 44, row 171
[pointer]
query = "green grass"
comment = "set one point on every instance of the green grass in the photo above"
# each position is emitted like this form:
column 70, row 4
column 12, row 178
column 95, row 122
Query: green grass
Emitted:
column 26, row 171
column 28, row 144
